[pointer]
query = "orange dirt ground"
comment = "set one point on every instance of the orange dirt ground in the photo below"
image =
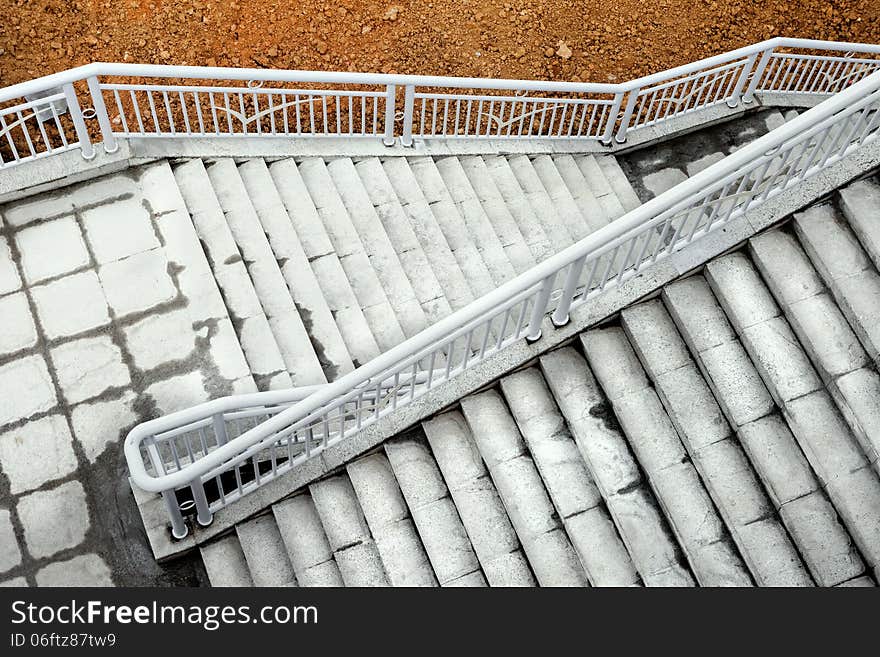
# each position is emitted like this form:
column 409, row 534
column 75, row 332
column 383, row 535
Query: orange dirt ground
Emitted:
column 596, row 40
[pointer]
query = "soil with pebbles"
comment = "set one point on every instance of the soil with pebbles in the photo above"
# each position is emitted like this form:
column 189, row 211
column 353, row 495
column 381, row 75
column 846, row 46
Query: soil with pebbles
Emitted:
column 594, row 40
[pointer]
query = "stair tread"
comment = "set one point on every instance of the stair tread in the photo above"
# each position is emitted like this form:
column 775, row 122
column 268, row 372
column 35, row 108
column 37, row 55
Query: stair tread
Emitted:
column 225, row 563
column 347, row 246
column 287, row 328
column 521, row 490
column 458, row 188
column 482, row 513
column 388, row 517
column 822, row 434
column 307, row 546
column 520, row 209
column 569, row 212
column 591, row 209
column 500, row 217
column 258, row 343
column 631, row 505
column 294, row 264
column 324, row 261
column 376, row 244
column 413, row 260
column 618, row 181
column 455, row 231
column 428, row 232
column 542, row 204
column 674, row 478
column 433, row 511
column 571, row 487
column 264, row 552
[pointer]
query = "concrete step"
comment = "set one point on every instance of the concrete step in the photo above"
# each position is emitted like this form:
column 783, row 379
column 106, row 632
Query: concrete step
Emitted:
column 252, row 327
column 306, row 543
column 542, row 205
column 811, row 520
column 455, row 230
column 374, row 304
column 388, row 517
column 281, row 313
column 474, row 216
column 824, row 332
column 348, row 534
column 600, row 186
column 522, row 491
column 829, row 446
column 420, row 271
column 571, row 487
column 518, row 206
column 302, row 284
column 846, row 269
column 618, row 181
column 205, row 305
column 860, row 202
column 587, row 202
column 225, row 562
column 419, row 217
column 577, row 224
column 476, row 499
column 378, row 247
column 264, row 552
column 495, row 207
column 713, row 448
column 433, row 511
column 686, row 502
column 324, row 261
column 612, row 466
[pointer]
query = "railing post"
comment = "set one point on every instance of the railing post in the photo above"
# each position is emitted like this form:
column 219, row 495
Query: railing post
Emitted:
column 219, row 429
column 612, row 120
column 390, row 111
column 734, row 98
column 79, row 123
column 749, row 95
column 409, row 101
column 627, row 115
column 110, row 145
column 540, row 308
column 560, row 316
column 203, row 513
column 179, row 529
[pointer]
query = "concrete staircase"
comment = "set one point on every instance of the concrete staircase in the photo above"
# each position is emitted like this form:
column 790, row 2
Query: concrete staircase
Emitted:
column 323, row 264
column 724, row 433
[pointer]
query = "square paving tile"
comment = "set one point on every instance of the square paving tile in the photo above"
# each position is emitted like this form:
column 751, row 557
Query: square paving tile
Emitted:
column 55, row 519
column 161, row 339
column 17, row 330
column 118, row 230
column 137, row 283
column 84, row 570
column 178, row 392
column 98, row 425
column 71, row 305
column 27, row 389
column 37, row 452
column 50, row 249
column 86, row 368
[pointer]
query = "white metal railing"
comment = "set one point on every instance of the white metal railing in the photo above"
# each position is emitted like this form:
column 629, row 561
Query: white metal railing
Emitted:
column 772, row 165
column 132, row 101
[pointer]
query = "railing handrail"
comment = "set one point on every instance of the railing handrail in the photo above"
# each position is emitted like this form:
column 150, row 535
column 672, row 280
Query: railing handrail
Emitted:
column 639, row 218
column 341, row 77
